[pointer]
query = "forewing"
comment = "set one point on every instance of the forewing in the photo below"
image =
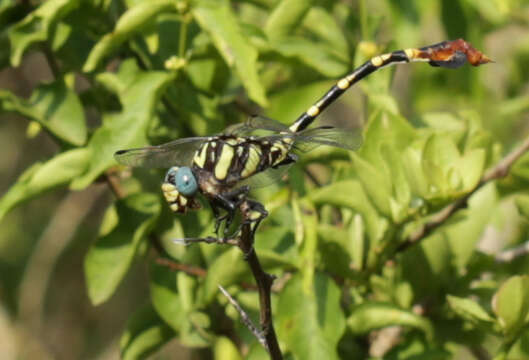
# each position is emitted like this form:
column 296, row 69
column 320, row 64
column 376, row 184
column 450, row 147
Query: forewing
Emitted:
column 255, row 123
column 178, row 152
column 309, row 139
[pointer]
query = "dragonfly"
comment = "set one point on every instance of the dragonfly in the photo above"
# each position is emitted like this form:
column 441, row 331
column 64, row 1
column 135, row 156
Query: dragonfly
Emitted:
column 223, row 168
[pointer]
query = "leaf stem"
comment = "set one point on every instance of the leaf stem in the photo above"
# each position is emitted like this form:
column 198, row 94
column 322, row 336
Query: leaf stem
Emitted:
column 183, row 36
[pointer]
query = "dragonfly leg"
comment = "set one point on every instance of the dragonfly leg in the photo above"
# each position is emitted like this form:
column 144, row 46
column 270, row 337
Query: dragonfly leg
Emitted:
column 218, row 217
column 255, row 212
column 228, row 201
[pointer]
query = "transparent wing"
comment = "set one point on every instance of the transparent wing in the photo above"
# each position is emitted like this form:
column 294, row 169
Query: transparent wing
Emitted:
column 255, row 123
column 309, row 139
column 177, row 152
column 267, row 177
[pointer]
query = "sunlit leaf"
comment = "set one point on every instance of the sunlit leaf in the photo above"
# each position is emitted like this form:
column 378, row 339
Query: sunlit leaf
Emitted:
column 325, row 26
column 470, row 310
column 37, row 25
column 138, row 92
column 511, row 304
column 315, row 55
column 522, row 202
column 372, row 316
column 54, row 106
column 219, row 21
column 130, row 23
column 286, row 16
column 41, row 177
column 224, row 349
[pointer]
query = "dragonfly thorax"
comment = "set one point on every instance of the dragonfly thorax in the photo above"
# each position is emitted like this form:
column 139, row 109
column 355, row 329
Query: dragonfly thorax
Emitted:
column 229, row 159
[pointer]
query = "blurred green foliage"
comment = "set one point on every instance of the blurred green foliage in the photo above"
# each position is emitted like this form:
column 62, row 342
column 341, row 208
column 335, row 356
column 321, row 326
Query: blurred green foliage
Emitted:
column 127, row 73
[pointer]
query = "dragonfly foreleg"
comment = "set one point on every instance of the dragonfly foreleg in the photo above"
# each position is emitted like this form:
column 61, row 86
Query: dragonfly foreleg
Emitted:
column 229, row 201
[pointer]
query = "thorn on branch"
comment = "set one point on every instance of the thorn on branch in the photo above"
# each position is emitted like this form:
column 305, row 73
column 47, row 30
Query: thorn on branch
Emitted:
column 245, row 318
column 207, row 240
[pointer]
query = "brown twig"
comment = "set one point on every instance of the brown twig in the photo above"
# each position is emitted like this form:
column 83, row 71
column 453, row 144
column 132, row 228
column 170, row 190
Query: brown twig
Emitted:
column 114, row 185
column 263, row 280
column 245, row 318
column 500, row 170
column 175, row 266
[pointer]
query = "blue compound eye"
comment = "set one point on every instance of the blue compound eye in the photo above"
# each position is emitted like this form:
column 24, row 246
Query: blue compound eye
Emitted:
column 185, row 181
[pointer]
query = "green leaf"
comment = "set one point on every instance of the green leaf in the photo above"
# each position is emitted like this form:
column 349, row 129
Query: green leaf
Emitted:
column 315, row 55
column 41, row 177
column 387, row 129
column 219, row 21
column 220, row 274
column 286, row 17
column 511, row 304
column 165, row 297
column 145, row 334
column 288, row 104
column 377, row 186
column 470, row 310
column 356, row 199
column 310, row 321
column 138, row 93
column 125, row 224
column 522, row 202
column 130, row 23
column 224, row 349
column 471, row 167
column 439, row 155
column 54, row 106
column 371, row 316
column 37, row 25
column 324, row 25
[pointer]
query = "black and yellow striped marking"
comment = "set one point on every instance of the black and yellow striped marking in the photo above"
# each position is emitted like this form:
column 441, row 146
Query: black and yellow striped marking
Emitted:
column 450, row 54
column 231, row 159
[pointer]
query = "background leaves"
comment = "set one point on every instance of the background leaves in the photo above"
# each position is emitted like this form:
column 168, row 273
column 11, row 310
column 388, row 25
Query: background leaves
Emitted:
column 82, row 79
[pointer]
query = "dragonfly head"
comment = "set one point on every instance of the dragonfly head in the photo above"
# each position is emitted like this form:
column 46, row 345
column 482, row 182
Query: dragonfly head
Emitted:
column 179, row 188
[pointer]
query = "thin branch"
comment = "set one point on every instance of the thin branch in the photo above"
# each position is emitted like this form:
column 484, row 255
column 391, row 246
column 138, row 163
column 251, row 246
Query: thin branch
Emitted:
column 114, row 185
column 52, row 63
column 384, row 340
column 175, row 266
column 263, row 280
column 512, row 254
column 498, row 171
column 245, row 318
